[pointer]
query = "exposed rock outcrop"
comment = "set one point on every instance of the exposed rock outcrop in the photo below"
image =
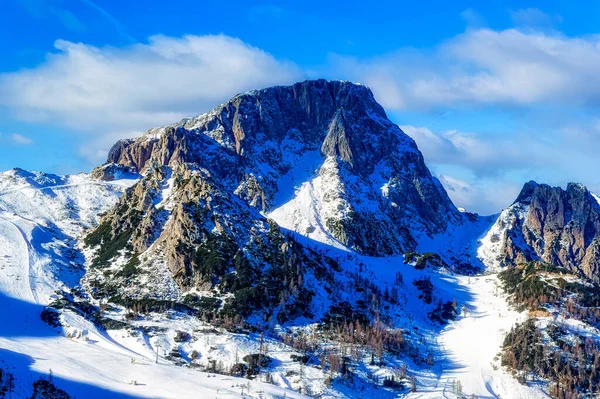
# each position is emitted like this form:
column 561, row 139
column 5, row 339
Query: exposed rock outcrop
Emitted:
column 112, row 171
column 557, row 226
column 209, row 240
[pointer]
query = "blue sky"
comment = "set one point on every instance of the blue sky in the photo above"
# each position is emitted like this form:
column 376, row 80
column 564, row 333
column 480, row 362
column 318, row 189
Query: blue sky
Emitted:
column 495, row 93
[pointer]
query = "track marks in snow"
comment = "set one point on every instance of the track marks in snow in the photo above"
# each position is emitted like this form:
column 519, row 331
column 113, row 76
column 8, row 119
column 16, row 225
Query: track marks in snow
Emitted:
column 465, row 349
column 30, row 275
column 474, row 341
column 20, row 245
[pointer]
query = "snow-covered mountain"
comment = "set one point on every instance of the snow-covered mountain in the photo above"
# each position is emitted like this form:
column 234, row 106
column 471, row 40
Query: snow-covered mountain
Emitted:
column 42, row 216
column 321, row 158
column 290, row 242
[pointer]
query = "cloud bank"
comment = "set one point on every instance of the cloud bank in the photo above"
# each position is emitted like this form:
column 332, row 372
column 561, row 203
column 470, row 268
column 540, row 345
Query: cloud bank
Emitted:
column 485, row 67
column 142, row 85
column 108, row 89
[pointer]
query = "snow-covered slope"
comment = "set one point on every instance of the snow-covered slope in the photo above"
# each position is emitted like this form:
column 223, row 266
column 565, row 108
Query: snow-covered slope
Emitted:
column 54, row 211
column 313, row 203
column 473, row 343
column 40, row 218
column 42, row 214
column 72, row 202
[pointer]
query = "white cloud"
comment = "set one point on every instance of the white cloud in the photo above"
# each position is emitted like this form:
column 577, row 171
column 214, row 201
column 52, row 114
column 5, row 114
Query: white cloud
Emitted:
column 534, row 18
column 139, row 86
column 95, row 150
column 53, row 10
column 107, row 93
column 106, row 15
column 483, row 156
column 16, row 138
column 484, row 67
column 473, row 18
column 585, row 134
column 484, row 197
column 484, row 173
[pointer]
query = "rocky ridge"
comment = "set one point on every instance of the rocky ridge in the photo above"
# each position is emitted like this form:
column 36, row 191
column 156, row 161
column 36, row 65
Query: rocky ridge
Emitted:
column 199, row 218
column 558, row 226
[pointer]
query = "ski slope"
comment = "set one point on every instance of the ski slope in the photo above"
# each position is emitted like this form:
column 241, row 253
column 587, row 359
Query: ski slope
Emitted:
column 471, row 344
column 84, row 361
column 467, row 349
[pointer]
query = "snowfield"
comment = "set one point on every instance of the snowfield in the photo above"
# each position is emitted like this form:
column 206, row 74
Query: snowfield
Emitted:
column 41, row 217
column 466, row 349
column 472, row 343
column 85, row 362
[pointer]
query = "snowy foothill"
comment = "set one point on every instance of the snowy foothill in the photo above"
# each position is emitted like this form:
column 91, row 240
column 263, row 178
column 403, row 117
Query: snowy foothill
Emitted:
column 41, row 218
column 466, row 350
column 39, row 221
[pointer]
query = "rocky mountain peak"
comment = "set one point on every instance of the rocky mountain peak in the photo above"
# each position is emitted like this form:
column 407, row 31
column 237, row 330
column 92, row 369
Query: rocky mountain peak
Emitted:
column 559, row 226
column 526, row 192
column 251, row 118
column 369, row 188
column 342, row 143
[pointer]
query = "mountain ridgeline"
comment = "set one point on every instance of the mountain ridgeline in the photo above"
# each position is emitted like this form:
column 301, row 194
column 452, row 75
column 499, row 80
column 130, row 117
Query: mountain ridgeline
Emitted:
column 220, row 193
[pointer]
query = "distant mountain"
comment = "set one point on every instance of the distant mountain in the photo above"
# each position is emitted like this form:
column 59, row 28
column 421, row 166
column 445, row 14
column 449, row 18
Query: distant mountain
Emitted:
column 561, row 227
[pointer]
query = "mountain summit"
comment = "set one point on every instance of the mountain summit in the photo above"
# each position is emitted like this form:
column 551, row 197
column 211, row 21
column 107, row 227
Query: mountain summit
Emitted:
column 319, row 157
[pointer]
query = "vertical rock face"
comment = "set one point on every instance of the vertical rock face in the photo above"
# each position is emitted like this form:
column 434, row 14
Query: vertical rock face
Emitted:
column 368, row 186
column 558, row 226
column 338, row 143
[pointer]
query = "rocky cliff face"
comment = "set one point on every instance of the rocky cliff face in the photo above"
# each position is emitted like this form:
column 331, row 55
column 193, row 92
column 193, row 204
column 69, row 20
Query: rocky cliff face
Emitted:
column 558, row 226
column 268, row 146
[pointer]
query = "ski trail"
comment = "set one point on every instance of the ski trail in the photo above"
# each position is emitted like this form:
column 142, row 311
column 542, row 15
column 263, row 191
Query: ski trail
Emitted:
column 30, row 275
column 103, row 334
column 467, row 347
column 474, row 341
column 27, row 273
column 21, row 238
